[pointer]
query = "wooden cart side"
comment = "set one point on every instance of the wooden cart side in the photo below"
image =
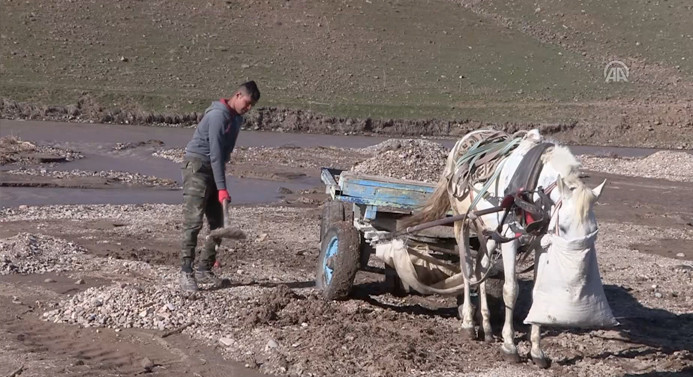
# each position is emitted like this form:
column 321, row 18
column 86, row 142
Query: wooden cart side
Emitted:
column 381, row 192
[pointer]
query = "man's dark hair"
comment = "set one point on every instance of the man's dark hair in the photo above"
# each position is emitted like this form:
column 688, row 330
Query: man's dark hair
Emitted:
column 250, row 88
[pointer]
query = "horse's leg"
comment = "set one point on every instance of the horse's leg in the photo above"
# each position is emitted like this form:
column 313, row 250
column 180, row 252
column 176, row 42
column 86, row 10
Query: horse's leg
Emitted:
column 510, row 289
column 536, row 352
column 483, row 303
column 466, row 311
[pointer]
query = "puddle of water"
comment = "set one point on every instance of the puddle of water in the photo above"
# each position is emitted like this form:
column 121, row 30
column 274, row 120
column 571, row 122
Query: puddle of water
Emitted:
column 243, row 191
column 133, row 161
column 96, row 141
column 109, row 134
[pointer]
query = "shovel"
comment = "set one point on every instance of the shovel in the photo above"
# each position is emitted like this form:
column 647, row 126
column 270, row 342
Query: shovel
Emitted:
column 227, row 231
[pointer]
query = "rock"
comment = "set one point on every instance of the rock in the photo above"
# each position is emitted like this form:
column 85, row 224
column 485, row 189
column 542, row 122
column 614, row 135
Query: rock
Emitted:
column 261, row 237
column 271, row 344
column 658, row 295
column 79, row 282
column 226, row 341
column 680, row 255
column 23, row 207
column 147, row 364
column 49, row 280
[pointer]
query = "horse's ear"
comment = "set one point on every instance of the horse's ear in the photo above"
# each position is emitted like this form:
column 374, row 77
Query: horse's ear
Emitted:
column 597, row 191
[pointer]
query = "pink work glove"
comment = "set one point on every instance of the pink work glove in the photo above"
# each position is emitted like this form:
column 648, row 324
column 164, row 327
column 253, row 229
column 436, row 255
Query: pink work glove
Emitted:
column 224, row 195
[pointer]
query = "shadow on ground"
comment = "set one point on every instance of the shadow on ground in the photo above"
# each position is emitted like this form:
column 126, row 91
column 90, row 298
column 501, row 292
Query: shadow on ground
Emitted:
column 650, row 332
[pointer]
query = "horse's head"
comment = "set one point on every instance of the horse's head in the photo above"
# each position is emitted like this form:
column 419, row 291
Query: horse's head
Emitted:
column 575, row 216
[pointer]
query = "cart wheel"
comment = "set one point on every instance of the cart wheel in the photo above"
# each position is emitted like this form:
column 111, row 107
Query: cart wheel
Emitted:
column 333, row 211
column 338, row 261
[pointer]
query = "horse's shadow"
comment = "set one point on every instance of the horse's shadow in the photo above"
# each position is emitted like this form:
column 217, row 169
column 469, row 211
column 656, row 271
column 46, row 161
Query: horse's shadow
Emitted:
column 687, row 371
column 647, row 331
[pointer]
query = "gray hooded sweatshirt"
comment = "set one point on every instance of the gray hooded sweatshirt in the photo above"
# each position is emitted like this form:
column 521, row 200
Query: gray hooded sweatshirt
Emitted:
column 214, row 139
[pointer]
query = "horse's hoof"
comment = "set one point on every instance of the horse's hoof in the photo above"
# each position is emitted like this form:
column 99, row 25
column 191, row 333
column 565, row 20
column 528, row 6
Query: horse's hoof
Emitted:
column 468, row 333
column 541, row 362
column 488, row 338
column 511, row 357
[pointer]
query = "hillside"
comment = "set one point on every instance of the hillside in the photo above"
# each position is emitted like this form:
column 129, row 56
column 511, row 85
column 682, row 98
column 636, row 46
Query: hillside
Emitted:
column 493, row 61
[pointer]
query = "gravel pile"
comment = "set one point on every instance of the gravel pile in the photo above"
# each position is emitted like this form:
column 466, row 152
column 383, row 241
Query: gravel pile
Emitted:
column 135, row 305
column 110, row 175
column 173, row 154
column 14, row 150
column 413, row 159
column 83, row 212
column 293, row 157
column 669, row 165
column 29, row 254
column 288, row 156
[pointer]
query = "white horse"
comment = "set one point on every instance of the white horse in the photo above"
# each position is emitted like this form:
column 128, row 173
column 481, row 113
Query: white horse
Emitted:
column 573, row 218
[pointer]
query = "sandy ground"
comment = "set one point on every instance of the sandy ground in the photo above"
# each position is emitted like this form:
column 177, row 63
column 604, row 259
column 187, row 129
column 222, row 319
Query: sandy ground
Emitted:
column 92, row 290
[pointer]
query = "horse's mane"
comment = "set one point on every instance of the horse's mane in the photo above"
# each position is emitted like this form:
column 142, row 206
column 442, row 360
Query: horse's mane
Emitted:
column 564, row 162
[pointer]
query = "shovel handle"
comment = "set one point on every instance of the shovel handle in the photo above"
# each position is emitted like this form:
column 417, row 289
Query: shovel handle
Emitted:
column 225, row 208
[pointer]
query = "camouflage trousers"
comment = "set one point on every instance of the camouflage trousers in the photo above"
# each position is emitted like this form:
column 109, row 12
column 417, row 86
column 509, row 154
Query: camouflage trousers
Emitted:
column 199, row 200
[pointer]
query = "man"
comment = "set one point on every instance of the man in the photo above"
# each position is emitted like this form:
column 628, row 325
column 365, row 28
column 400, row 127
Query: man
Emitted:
column 204, row 180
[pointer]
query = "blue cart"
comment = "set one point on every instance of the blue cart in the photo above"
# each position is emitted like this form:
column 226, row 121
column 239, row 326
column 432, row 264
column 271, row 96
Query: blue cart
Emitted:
column 362, row 208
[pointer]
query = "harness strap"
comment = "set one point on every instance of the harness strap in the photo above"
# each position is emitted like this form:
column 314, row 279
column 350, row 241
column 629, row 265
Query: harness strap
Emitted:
column 529, row 169
column 482, row 248
column 496, row 236
column 480, row 162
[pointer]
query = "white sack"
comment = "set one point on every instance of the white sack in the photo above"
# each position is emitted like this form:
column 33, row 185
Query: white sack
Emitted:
column 419, row 271
column 568, row 290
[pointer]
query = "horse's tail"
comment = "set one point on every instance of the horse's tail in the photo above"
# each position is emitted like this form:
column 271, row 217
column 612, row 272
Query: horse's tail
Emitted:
column 435, row 207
